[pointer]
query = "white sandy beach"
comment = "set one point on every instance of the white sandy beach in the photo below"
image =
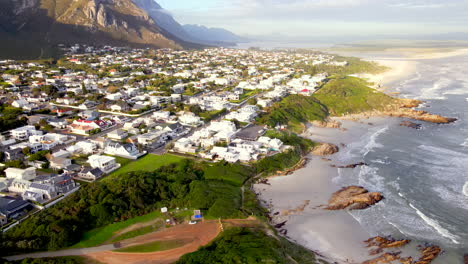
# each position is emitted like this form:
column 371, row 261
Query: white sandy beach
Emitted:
column 399, row 69
column 428, row 53
column 405, row 65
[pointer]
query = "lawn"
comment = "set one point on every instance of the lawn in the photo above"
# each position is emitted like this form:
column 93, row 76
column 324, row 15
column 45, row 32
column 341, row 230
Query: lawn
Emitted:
column 149, row 162
column 100, row 235
column 153, row 246
column 245, row 95
column 210, row 115
column 140, row 231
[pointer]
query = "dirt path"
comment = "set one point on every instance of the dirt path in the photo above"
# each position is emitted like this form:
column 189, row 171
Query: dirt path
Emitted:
column 135, row 227
column 62, row 253
column 198, row 235
column 193, row 235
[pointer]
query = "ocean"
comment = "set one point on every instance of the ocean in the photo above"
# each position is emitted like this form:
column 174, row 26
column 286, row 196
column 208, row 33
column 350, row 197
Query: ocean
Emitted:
column 422, row 173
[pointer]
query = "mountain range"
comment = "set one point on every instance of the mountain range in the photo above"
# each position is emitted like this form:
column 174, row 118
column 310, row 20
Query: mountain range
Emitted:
column 34, row 28
column 190, row 33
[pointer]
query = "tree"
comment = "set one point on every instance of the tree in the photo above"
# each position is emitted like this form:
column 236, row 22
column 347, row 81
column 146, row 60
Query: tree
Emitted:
column 196, row 109
column 237, row 123
column 252, row 101
column 83, row 88
column 40, row 155
column 15, row 164
column 113, row 89
column 26, row 151
column 42, row 122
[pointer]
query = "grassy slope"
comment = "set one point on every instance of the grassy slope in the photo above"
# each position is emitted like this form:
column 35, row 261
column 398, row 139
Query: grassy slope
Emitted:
column 100, row 235
column 234, row 174
column 149, row 162
column 348, row 95
column 140, row 231
column 293, row 111
column 153, row 246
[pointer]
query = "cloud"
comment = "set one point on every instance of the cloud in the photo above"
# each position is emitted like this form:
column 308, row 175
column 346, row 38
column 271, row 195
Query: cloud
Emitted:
column 336, row 16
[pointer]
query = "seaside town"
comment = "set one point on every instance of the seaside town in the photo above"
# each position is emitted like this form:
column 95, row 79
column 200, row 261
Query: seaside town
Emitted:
column 237, row 132
column 70, row 123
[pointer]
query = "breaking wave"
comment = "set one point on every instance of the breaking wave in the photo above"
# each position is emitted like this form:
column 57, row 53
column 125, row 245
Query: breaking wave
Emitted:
column 373, row 142
column 434, row 224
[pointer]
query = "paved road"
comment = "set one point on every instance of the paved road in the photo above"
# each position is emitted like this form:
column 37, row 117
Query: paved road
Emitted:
column 63, row 253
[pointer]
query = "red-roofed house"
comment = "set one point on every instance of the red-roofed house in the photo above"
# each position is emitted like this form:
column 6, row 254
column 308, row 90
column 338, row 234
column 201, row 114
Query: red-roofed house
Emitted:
column 306, row 92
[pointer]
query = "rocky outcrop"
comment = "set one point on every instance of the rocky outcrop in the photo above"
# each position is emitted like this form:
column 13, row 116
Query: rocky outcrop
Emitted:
column 296, row 210
column 385, row 258
column 379, row 244
column 325, row 149
column 403, row 108
column 411, row 124
column 420, row 115
column 350, row 166
column 327, row 124
column 408, row 260
column 382, row 242
column 353, row 197
column 429, row 254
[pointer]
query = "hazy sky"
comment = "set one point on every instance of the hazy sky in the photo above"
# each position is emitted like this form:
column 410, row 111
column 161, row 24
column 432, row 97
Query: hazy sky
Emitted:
column 324, row 17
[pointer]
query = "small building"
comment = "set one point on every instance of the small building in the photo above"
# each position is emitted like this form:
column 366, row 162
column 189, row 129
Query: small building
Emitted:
column 14, row 154
column 89, row 115
column 13, row 208
column 117, row 134
column 23, row 174
column 39, row 192
column 197, row 215
column 104, row 163
column 23, row 133
column 59, row 163
column 127, row 150
column 251, row 133
column 91, row 174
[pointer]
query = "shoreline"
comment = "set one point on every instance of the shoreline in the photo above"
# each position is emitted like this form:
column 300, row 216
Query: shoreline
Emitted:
column 336, row 235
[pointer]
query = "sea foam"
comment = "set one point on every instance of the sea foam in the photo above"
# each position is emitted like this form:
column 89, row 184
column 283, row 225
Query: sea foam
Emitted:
column 373, row 142
column 465, row 189
column 434, row 224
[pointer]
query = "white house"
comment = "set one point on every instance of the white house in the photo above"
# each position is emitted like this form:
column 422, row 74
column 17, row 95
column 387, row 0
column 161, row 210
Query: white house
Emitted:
column 85, row 147
column 18, row 185
column 128, row 150
column 40, row 192
column 23, row 174
column 189, row 119
column 104, row 163
column 149, row 138
column 117, row 134
column 59, row 163
column 162, row 115
column 23, row 133
column 185, row 145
